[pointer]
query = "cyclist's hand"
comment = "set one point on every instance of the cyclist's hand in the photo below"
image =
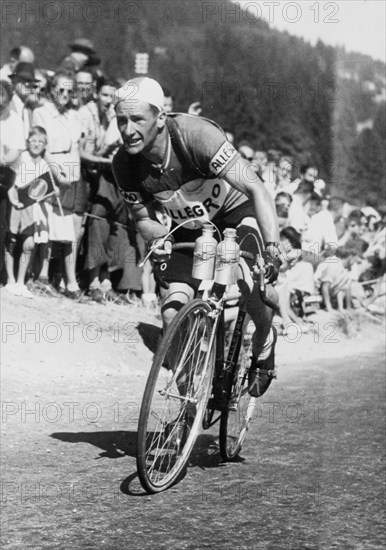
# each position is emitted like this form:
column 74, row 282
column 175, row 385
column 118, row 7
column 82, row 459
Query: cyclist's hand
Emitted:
column 272, row 258
column 161, row 251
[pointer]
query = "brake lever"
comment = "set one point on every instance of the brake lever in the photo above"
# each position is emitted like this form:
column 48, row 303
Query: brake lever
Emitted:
column 158, row 270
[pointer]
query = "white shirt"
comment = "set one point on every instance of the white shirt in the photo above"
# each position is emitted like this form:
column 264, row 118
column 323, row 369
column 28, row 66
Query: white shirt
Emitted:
column 5, row 71
column 28, row 169
column 297, row 214
column 63, row 134
column 11, row 132
column 321, row 229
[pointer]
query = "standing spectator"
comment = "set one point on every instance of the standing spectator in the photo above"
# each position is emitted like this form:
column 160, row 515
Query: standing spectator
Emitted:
column 25, row 86
column 168, row 100
column 30, row 166
column 12, row 144
column 16, row 55
column 82, row 54
column 107, row 237
column 63, row 128
column 260, row 160
column 84, row 88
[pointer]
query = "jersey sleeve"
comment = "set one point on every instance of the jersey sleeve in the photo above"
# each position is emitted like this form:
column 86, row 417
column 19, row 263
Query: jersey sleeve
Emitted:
column 209, row 148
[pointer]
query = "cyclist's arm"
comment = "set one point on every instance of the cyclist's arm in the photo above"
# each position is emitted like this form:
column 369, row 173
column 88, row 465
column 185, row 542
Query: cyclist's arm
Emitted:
column 242, row 177
column 147, row 224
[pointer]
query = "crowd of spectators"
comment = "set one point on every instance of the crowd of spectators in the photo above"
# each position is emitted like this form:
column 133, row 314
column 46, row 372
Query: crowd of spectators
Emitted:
column 333, row 253
column 65, row 230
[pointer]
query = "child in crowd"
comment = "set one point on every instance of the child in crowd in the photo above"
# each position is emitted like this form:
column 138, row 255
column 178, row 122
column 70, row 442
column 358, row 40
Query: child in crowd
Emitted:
column 334, row 281
column 296, row 279
column 26, row 223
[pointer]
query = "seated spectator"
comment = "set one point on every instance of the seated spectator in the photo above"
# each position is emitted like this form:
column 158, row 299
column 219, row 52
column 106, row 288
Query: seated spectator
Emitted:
column 282, row 203
column 296, row 279
column 308, row 173
column 320, row 232
column 352, row 237
column 270, row 171
column 333, row 281
column 375, row 254
column 340, row 223
column 284, row 173
column 298, row 213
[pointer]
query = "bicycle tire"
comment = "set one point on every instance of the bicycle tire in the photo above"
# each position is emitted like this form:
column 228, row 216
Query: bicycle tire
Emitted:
column 235, row 420
column 175, row 397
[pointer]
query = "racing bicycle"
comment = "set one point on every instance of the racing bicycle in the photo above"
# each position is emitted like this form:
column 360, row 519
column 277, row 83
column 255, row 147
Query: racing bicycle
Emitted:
column 199, row 376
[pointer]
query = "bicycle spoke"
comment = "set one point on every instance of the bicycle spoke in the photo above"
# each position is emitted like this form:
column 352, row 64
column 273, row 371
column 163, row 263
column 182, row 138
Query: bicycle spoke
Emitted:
column 235, row 420
column 176, row 398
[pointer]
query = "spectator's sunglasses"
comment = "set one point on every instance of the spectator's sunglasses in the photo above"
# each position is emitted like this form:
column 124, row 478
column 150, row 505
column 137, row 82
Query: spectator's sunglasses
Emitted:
column 250, row 159
column 83, row 85
column 30, row 84
column 62, row 90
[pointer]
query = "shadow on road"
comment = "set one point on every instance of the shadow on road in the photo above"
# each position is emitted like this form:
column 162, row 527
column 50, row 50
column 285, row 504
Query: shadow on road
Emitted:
column 150, row 335
column 113, row 444
column 206, row 453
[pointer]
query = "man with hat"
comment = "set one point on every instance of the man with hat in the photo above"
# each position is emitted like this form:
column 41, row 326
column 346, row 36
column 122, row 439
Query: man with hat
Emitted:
column 25, row 87
column 82, row 55
column 207, row 181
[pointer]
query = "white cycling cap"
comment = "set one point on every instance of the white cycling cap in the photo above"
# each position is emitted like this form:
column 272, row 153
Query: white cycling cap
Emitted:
column 141, row 90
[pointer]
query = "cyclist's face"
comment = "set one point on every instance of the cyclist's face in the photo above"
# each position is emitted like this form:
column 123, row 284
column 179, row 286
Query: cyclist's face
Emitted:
column 138, row 125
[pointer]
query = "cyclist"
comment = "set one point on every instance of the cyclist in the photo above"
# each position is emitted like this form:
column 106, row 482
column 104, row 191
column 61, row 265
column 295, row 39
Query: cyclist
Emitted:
column 186, row 163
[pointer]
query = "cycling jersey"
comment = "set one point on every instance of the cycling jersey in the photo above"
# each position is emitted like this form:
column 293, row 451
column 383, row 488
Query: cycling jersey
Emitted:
column 176, row 184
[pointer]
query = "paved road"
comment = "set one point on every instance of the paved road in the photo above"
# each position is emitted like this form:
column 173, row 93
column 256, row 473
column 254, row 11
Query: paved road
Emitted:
column 311, row 477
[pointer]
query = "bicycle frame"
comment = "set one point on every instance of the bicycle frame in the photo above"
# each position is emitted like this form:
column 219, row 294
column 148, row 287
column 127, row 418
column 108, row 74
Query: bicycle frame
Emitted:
column 225, row 363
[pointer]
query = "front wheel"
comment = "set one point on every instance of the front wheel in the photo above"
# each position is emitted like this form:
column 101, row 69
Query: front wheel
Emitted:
column 236, row 417
column 175, row 397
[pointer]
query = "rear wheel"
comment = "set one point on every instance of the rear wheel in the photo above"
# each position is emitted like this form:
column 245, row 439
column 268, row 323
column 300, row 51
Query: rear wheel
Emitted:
column 235, row 419
column 175, row 397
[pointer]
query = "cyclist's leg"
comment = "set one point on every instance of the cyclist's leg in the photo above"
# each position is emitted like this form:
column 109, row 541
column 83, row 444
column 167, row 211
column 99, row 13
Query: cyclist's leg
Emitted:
column 172, row 299
column 264, row 339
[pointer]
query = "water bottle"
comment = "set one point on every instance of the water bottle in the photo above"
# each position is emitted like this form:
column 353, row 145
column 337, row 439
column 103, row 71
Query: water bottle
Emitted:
column 227, row 259
column 204, row 256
